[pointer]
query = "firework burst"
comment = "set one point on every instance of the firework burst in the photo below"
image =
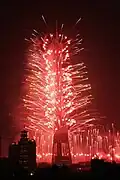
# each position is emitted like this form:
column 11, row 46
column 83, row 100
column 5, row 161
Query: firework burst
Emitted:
column 57, row 92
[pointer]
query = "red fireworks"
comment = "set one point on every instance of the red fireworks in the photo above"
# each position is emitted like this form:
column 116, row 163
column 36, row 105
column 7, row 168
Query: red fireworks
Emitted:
column 58, row 93
column 56, row 89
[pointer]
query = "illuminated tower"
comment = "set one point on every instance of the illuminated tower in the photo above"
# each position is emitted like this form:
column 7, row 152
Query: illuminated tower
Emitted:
column 61, row 150
column 56, row 93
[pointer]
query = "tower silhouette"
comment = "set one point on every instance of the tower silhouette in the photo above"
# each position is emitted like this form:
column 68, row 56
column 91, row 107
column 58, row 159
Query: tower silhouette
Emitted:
column 61, row 150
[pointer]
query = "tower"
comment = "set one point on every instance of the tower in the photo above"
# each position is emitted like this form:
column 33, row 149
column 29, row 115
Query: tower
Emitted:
column 61, row 150
column 27, row 152
column 23, row 153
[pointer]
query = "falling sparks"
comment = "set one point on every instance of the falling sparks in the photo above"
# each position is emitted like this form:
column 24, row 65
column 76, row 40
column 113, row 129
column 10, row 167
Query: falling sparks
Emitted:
column 58, row 93
column 56, row 90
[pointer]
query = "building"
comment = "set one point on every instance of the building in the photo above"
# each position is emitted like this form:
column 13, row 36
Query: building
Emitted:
column 61, row 150
column 4, row 168
column 23, row 153
column 13, row 155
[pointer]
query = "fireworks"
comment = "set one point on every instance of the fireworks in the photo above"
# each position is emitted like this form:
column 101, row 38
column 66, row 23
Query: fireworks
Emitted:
column 56, row 89
column 96, row 142
column 58, row 93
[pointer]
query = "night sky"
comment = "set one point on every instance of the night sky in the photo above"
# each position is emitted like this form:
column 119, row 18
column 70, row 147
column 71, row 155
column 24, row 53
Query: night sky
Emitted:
column 100, row 29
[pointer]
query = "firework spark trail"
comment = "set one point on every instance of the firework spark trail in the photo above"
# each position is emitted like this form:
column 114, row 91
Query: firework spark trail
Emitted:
column 58, row 93
column 56, row 89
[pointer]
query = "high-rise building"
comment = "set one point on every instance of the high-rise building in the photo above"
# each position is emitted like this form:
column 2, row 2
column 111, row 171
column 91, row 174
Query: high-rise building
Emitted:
column 61, row 149
column 27, row 151
column 23, row 153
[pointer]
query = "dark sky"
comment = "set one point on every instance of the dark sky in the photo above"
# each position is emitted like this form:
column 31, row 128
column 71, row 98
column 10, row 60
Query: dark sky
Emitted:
column 100, row 29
